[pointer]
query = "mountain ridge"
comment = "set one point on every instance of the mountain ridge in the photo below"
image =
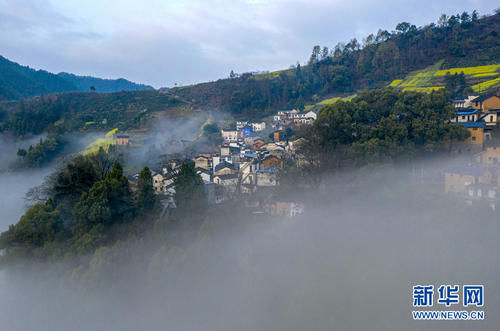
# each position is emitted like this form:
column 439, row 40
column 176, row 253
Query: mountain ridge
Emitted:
column 19, row 81
column 107, row 85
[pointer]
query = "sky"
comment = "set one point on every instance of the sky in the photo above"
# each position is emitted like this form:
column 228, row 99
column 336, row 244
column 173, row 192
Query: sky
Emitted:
column 168, row 42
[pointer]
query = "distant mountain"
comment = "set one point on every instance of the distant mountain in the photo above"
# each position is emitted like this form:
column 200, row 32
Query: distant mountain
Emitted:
column 84, row 83
column 17, row 81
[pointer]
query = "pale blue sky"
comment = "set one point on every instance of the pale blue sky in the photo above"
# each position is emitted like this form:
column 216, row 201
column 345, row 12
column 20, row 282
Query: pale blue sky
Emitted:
column 171, row 41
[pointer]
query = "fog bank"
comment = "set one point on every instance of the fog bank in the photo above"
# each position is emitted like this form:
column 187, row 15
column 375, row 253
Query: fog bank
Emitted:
column 348, row 263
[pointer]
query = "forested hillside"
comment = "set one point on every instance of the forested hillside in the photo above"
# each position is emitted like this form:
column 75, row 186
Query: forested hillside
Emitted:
column 17, row 81
column 458, row 40
column 88, row 83
column 80, row 111
column 407, row 58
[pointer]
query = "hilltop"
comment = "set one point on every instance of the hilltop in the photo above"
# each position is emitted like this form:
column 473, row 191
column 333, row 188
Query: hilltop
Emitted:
column 408, row 58
column 457, row 41
column 84, row 83
column 17, row 81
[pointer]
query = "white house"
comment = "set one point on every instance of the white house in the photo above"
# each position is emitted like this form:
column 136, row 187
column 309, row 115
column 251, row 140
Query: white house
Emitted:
column 467, row 115
column 307, row 114
column 241, row 124
column 158, row 183
column 259, row 126
column 163, row 185
column 205, row 174
column 229, row 135
column 464, row 103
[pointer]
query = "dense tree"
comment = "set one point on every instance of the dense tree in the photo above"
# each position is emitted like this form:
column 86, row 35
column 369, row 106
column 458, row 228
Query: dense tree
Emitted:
column 145, row 191
column 61, row 113
column 387, row 124
column 211, row 132
column 456, row 84
column 108, row 202
column 42, row 153
column 189, row 189
column 315, row 55
column 67, row 185
column 350, row 68
column 41, row 224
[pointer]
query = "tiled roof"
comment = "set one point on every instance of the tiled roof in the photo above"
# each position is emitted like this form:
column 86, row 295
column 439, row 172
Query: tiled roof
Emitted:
column 223, row 165
column 473, row 124
column 466, row 111
column 482, row 97
column 269, row 170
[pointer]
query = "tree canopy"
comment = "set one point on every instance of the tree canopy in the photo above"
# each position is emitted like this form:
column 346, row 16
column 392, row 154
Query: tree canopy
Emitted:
column 388, row 124
column 189, row 188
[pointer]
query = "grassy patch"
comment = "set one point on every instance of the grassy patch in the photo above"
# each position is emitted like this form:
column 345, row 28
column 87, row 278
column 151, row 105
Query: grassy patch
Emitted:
column 329, row 101
column 273, row 74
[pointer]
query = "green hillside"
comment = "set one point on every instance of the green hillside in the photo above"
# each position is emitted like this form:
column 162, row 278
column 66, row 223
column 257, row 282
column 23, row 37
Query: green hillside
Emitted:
column 412, row 58
column 79, row 111
column 84, row 83
column 460, row 41
column 17, row 81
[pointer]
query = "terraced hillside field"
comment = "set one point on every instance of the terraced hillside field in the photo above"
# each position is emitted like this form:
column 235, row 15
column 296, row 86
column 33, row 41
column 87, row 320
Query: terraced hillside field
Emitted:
column 480, row 78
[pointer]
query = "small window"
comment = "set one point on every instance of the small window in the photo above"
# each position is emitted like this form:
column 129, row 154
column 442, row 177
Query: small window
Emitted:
column 463, row 117
column 491, row 118
column 473, row 138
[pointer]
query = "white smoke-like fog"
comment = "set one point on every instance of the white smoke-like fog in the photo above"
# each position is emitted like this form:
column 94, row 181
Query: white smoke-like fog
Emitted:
column 15, row 184
column 348, row 263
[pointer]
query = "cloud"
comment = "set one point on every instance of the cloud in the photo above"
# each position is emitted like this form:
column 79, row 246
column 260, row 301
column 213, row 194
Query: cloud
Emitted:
column 163, row 43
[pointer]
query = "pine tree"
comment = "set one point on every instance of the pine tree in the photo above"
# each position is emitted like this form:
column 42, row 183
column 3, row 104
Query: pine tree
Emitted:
column 145, row 195
column 189, row 188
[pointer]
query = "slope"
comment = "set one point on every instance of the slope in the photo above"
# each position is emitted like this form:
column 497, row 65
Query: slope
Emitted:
column 84, row 83
column 18, row 81
column 460, row 41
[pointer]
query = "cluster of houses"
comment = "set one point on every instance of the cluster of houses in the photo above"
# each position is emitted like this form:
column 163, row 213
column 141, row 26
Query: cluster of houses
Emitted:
column 282, row 120
column 287, row 118
column 479, row 180
column 240, row 166
column 244, row 129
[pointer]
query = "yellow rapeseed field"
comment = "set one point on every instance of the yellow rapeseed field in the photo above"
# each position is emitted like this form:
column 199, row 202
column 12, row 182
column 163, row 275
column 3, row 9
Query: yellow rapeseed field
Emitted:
column 423, row 89
column 481, row 87
column 469, row 70
column 105, row 142
column 396, row 82
column 486, row 74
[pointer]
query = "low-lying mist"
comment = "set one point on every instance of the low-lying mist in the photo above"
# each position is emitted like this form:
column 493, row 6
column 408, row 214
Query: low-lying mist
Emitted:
column 15, row 184
column 347, row 263
column 165, row 136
